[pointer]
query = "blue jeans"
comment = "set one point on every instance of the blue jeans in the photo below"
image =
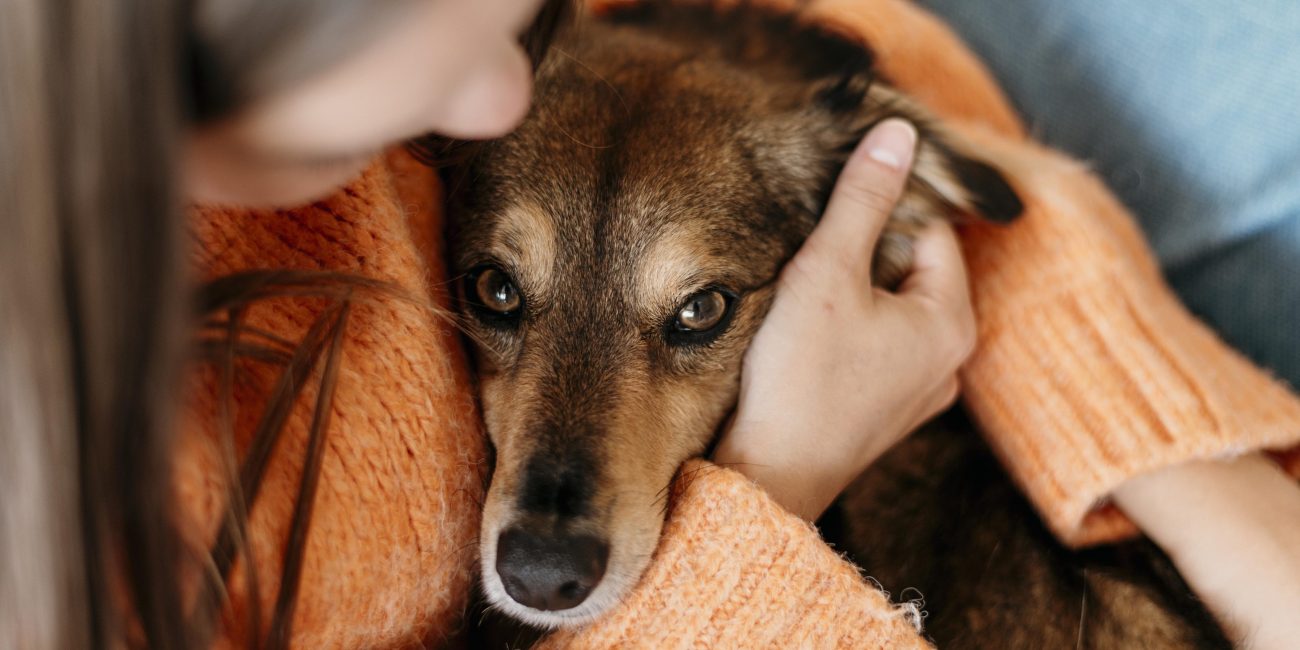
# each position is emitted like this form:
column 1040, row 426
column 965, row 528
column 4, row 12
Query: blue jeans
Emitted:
column 1190, row 110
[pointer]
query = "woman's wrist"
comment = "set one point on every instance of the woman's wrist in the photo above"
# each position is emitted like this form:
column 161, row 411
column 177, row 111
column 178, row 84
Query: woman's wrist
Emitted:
column 804, row 486
column 1233, row 530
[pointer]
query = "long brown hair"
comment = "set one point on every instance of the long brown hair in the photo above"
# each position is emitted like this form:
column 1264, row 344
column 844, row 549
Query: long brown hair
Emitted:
column 95, row 307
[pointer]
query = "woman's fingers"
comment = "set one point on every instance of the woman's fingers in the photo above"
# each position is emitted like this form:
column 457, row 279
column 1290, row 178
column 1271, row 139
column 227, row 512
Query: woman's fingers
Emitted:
column 938, row 270
column 863, row 198
column 938, row 276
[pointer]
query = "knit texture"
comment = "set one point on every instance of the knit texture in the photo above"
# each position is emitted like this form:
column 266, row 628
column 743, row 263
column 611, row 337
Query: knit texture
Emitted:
column 392, row 545
column 1088, row 372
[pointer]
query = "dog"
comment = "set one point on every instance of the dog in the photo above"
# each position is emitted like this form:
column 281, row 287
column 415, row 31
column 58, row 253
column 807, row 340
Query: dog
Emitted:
column 616, row 254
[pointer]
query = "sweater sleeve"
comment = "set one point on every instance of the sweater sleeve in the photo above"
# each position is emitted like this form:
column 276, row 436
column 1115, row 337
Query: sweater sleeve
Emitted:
column 733, row 570
column 1089, row 370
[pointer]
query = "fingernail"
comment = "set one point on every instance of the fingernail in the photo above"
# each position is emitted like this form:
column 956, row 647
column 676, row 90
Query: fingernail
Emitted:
column 891, row 143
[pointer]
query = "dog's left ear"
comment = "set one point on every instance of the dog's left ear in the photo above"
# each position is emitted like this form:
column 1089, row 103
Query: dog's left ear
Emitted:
column 846, row 87
column 961, row 181
column 945, row 170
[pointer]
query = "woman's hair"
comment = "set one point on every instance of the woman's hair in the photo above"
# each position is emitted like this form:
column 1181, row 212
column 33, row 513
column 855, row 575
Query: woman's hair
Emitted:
column 96, row 308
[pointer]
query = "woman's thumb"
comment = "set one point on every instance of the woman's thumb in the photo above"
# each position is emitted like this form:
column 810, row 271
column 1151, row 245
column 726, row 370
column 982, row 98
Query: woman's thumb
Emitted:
column 864, row 196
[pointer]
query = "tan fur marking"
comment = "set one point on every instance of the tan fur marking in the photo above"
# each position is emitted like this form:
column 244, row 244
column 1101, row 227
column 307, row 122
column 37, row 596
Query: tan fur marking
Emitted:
column 673, row 265
column 525, row 239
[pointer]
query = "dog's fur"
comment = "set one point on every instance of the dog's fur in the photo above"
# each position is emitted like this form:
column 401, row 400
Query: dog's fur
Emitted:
column 675, row 150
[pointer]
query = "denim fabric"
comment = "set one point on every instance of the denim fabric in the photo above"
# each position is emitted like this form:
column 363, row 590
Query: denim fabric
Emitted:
column 1190, row 109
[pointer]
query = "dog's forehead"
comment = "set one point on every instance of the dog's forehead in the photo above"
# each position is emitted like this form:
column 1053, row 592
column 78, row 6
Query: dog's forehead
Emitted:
column 646, row 179
column 607, row 210
column 643, row 250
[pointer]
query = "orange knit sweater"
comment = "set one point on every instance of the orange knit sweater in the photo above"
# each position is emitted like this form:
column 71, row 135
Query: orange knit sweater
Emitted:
column 1088, row 372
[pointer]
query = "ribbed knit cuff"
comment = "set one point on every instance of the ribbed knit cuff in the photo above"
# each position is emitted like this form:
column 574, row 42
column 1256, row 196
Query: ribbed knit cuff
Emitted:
column 1089, row 371
column 735, row 570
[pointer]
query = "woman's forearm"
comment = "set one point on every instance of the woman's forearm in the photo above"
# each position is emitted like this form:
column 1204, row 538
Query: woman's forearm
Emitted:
column 1233, row 530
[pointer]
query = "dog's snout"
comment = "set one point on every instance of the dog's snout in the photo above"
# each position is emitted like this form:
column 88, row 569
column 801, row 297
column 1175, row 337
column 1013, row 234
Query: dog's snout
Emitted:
column 563, row 488
column 550, row 573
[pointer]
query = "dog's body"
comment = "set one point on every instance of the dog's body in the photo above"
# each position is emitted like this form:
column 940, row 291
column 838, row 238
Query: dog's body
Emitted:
column 617, row 255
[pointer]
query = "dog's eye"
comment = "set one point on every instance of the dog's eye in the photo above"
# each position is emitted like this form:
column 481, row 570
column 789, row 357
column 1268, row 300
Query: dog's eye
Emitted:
column 701, row 319
column 702, row 311
column 491, row 291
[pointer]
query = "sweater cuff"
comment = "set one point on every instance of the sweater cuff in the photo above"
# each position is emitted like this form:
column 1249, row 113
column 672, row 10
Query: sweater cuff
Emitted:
column 734, row 569
column 1089, row 370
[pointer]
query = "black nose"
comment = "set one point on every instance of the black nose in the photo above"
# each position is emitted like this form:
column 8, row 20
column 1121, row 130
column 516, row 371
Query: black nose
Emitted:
column 550, row 573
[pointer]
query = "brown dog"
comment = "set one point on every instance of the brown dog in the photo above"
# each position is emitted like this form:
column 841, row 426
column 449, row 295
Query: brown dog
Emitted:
column 618, row 251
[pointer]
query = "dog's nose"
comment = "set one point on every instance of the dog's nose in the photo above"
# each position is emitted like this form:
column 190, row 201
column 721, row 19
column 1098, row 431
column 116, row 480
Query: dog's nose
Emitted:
column 550, row 573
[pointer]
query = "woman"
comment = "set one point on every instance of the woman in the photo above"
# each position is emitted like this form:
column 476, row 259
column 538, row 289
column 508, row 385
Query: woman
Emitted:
column 116, row 113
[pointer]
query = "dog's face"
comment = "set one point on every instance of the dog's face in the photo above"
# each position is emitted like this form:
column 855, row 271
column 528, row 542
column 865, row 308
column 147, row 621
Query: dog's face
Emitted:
column 615, row 256
column 614, row 272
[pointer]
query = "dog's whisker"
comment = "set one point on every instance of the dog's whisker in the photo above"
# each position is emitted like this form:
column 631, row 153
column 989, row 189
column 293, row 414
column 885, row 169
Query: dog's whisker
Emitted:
column 565, row 132
column 627, row 110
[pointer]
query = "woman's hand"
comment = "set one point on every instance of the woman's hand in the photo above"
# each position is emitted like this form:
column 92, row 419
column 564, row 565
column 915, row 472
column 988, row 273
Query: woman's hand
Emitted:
column 841, row 370
column 1233, row 530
